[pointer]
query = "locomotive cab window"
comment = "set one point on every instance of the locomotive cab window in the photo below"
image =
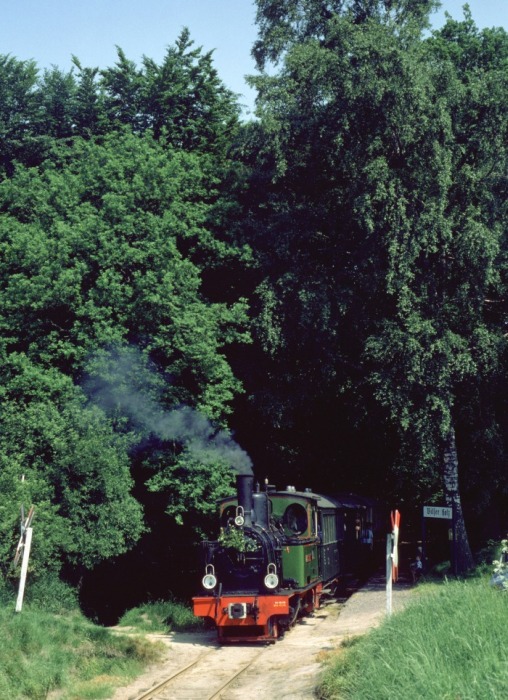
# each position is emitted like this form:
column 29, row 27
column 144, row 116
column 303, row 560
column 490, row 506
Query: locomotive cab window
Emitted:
column 295, row 519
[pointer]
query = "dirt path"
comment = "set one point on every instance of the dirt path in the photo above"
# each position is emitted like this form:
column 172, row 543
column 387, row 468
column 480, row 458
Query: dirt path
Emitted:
column 289, row 669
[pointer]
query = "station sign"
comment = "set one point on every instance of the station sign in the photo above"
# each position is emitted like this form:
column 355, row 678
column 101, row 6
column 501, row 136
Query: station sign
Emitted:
column 438, row 512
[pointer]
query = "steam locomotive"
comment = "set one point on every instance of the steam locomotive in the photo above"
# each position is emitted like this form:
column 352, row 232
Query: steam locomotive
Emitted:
column 278, row 553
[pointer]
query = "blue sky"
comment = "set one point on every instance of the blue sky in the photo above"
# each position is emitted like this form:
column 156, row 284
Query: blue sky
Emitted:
column 50, row 31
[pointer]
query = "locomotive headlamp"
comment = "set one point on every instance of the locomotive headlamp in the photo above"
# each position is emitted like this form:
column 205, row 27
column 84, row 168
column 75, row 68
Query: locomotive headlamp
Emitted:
column 240, row 516
column 271, row 578
column 209, row 580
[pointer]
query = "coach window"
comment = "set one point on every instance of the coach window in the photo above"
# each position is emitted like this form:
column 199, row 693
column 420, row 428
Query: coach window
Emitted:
column 329, row 530
column 295, row 519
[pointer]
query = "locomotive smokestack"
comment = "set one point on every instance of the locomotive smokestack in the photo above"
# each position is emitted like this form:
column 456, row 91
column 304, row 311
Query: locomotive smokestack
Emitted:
column 244, row 490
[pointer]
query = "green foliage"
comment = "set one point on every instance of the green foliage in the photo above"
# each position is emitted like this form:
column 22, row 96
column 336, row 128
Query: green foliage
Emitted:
column 185, row 100
column 161, row 616
column 56, row 94
column 76, row 472
column 112, row 214
column 185, row 457
column 182, row 100
column 284, row 23
column 235, row 538
column 372, row 191
column 51, row 594
column 443, row 338
column 92, row 257
column 42, row 652
column 500, row 567
column 380, row 214
column 18, row 112
column 193, row 485
column 449, row 643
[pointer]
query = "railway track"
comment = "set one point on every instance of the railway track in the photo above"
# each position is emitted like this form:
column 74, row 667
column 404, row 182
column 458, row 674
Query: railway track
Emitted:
column 207, row 671
column 206, row 677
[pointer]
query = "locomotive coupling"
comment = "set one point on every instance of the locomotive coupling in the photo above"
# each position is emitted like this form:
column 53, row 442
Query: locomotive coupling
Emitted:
column 239, row 611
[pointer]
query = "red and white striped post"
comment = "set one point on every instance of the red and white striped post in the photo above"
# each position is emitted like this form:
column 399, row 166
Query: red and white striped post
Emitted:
column 392, row 558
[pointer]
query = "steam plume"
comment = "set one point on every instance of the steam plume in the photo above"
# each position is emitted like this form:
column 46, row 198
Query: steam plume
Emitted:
column 119, row 388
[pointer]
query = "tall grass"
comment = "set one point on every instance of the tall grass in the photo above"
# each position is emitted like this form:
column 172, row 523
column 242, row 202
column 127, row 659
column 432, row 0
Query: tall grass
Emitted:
column 41, row 651
column 51, row 646
column 451, row 643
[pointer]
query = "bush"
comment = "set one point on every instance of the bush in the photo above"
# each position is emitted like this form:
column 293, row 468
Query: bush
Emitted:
column 500, row 566
column 161, row 616
column 51, row 595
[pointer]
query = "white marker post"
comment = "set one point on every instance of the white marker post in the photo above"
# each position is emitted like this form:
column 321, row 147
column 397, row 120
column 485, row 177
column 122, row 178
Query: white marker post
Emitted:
column 389, row 563
column 24, row 568
column 24, row 545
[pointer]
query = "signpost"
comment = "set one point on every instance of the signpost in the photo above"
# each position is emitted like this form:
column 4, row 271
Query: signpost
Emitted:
column 441, row 513
column 438, row 512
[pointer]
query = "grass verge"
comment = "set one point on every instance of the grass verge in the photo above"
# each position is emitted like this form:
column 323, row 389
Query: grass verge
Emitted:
column 41, row 652
column 50, row 646
column 451, row 643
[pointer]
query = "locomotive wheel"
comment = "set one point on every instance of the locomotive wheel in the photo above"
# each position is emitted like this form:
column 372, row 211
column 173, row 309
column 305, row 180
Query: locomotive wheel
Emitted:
column 309, row 603
column 295, row 609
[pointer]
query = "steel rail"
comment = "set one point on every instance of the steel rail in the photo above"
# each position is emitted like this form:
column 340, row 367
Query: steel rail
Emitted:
column 160, row 687
column 217, row 693
column 153, row 692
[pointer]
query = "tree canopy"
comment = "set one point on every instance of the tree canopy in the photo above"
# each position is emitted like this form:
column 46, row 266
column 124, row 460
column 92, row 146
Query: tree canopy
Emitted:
column 108, row 229
column 327, row 281
column 381, row 161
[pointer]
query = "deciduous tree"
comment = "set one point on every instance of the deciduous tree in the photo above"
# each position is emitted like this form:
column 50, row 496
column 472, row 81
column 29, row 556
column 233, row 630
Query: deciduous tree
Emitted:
column 381, row 227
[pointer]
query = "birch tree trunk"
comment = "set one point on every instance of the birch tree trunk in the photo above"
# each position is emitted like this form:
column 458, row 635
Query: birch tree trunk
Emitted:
column 465, row 560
